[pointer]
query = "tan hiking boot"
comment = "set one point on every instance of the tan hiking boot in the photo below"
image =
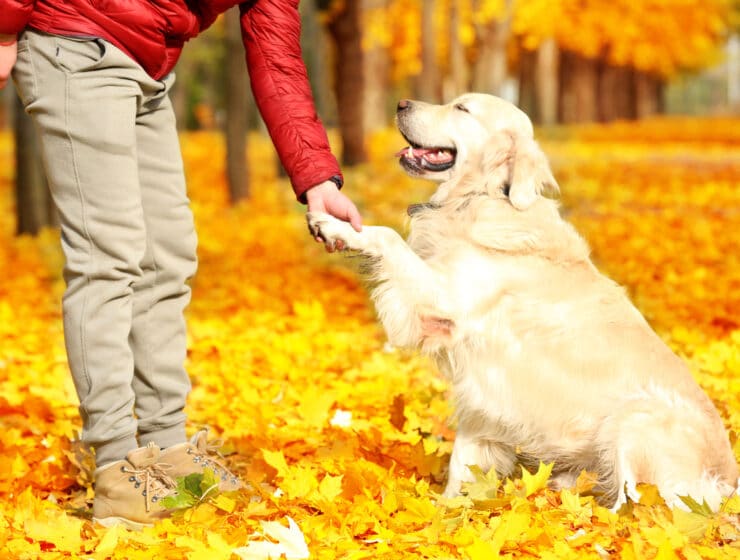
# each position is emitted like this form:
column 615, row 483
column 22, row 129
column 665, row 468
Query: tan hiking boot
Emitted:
column 130, row 491
column 195, row 456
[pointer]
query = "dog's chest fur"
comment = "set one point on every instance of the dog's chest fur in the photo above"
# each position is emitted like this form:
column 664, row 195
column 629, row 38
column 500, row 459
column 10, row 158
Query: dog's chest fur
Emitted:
column 495, row 299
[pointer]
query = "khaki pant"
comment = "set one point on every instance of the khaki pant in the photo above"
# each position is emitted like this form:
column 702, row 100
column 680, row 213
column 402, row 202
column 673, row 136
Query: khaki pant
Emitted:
column 114, row 166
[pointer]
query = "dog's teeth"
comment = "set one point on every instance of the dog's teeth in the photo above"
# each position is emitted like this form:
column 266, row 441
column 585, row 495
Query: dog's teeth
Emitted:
column 411, row 152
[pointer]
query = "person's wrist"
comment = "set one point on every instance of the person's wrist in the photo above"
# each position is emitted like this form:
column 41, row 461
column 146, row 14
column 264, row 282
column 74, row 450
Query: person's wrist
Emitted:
column 318, row 191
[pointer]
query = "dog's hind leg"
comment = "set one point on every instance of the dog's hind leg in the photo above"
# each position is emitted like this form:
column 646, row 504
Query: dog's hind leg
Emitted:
column 668, row 441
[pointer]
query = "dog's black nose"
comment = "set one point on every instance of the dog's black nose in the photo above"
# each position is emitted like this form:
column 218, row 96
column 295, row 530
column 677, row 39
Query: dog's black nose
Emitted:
column 403, row 105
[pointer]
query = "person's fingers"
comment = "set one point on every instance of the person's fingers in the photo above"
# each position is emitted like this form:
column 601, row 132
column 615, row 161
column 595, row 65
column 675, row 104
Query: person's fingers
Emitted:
column 344, row 209
column 339, row 206
column 354, row 218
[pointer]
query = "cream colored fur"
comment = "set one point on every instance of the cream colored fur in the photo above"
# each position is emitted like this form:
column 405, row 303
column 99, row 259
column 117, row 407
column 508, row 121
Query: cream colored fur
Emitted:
column 547, row 358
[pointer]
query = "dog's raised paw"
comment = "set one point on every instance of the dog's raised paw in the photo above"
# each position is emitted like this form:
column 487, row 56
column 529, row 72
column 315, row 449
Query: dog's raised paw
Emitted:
column 328, row 229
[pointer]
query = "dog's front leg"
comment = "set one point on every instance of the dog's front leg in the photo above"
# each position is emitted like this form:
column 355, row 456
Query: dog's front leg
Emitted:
column 409, row 297
column 468, row 451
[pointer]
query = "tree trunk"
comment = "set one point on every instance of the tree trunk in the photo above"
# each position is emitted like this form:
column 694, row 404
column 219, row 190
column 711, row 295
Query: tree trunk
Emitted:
column 7, row 104
column 578, row 88
column 457, row 81
column 491, row 67
column 428, row 82
column 34, row 207
column 237, row 115
column 616, row 93
column 546, row 82
column 346, row 31
column 527, row 101
column 648, row 95
column 179, row 94
column 314, row 47
column 376, row 68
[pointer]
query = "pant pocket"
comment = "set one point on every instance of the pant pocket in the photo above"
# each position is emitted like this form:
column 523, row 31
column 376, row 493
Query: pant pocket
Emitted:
column 24, row 73
column 74, row 55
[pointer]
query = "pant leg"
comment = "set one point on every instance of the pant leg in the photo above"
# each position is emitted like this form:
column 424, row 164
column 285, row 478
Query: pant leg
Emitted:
column 158, row 336
column 83, row 97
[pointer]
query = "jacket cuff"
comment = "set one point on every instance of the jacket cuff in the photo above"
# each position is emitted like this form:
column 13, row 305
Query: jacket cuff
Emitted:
column 302, row 189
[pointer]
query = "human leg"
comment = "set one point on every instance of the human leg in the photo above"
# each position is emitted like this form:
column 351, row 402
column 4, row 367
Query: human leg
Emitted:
column 158, row 334
column 82, row 96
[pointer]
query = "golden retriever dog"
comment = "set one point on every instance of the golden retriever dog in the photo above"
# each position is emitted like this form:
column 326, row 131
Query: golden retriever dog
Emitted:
column 548, row 360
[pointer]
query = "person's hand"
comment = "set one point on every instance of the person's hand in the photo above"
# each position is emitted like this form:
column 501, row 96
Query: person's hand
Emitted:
column 326, row 197
column 8, row 54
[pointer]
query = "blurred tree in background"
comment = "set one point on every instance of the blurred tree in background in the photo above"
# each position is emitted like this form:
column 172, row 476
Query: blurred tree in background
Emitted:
column 34, row 207
column 562, row 61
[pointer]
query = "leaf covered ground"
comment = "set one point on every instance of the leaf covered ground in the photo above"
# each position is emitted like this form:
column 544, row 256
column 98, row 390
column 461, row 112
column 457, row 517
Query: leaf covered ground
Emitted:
column 343, row 440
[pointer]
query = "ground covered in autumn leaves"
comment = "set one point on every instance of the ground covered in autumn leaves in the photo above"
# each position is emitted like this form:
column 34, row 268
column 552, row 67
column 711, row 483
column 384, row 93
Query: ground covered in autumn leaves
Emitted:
column 344, row 440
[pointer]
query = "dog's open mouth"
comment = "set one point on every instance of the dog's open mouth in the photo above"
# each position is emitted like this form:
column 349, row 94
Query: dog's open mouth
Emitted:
column 417, row 158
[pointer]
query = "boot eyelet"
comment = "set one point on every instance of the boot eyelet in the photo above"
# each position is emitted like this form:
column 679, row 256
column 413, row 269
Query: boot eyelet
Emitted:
column 123, row 468
column 132, row 479
column 155, row 498
column 137, row 484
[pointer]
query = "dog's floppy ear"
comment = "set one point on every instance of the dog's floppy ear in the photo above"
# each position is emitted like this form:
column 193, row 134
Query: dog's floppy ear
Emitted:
column 516, row 165
column 530, row 174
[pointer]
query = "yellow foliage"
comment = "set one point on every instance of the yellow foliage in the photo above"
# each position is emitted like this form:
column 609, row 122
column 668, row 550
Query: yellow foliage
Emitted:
column 343, row 441
column 656, row 36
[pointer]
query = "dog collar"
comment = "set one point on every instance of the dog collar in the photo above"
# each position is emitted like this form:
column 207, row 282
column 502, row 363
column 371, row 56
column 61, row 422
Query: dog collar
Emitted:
column 416, row 208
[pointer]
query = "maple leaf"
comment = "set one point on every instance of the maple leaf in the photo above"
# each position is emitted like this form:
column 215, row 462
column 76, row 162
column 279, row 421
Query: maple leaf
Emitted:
column 284, row 542
column 695, row 507
column 537, row 481
column 192, row 490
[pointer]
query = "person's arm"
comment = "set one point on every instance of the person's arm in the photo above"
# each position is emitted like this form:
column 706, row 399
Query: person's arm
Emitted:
column 271, row 32
column 15, row 16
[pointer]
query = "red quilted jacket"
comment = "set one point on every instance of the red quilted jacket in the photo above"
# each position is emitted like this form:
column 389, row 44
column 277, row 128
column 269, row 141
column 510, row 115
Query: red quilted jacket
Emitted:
column 154, row 32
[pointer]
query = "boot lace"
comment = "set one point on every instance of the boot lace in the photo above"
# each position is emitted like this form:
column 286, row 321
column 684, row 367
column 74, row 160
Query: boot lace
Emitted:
column 157, row 483
column 210, row 456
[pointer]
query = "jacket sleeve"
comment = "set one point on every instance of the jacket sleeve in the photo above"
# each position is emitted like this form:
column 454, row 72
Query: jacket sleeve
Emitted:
column 15, row 15
column 271, row 32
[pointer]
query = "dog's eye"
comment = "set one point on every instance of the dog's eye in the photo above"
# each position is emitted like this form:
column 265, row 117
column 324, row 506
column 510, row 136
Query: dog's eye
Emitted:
column 461, row 107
